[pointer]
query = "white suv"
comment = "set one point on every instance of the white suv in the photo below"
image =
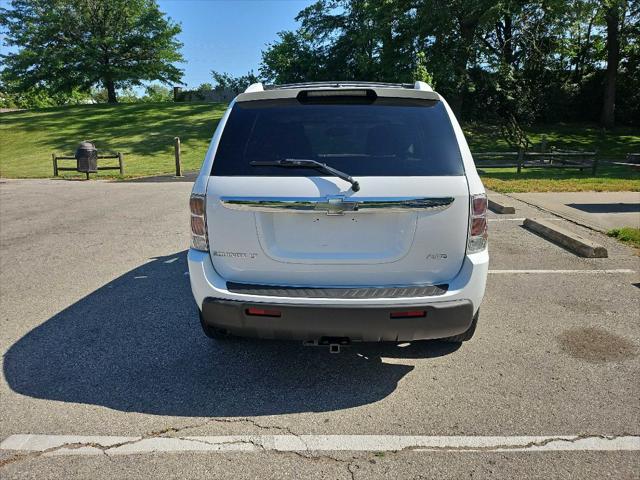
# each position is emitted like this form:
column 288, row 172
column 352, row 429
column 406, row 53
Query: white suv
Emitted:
column 339, row 212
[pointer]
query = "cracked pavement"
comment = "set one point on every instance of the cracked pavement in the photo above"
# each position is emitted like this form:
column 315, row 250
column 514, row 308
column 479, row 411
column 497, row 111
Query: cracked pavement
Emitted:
column 99, row 337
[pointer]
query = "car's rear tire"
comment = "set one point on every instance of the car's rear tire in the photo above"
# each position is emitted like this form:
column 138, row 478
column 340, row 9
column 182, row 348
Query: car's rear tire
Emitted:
column 466, row 335
column 210, row 331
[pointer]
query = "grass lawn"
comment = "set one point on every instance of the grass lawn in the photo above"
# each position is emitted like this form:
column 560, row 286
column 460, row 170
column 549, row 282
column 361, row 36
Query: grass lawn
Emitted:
column 144, row 133
column 610, row 145
column 628, row 235
column 608, row 179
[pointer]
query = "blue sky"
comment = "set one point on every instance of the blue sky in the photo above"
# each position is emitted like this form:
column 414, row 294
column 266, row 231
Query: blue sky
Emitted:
column 228, row 35
column 225, row 35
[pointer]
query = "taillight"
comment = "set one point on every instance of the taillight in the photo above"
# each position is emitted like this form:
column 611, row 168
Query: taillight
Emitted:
column 199, row 240
column 477, row 224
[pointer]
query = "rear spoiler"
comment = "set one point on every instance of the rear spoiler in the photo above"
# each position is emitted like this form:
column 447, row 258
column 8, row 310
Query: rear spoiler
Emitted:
column 258, row 91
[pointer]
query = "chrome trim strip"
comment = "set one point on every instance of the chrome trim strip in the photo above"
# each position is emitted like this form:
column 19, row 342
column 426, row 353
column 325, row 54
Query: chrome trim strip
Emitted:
column 336, row 205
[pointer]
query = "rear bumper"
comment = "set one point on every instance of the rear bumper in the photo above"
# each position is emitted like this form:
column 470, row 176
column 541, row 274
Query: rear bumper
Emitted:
column 469, row 284
column 364, row 319
column 368, row 323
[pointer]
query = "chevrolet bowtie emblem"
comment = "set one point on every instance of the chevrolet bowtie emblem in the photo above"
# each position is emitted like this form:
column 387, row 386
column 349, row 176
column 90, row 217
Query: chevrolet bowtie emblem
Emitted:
column 336, row 205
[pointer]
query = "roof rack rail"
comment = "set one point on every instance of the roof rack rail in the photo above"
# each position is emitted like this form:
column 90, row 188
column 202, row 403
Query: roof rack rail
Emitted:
column 259, row 87
column 350, row 83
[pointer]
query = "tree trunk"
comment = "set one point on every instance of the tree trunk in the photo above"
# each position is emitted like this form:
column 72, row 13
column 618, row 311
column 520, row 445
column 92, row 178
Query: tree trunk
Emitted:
column 111, row 91
column 387, row 55
column 467, row 31
column 455, row 102
column 612, row 17
column 508, row 39
column 583, row 50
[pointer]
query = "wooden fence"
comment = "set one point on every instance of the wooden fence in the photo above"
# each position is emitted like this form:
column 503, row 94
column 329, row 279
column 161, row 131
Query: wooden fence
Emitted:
column 529, row 159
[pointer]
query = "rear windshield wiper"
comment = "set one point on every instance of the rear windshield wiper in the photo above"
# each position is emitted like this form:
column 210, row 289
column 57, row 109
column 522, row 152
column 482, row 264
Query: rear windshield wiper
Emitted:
column 305, row 163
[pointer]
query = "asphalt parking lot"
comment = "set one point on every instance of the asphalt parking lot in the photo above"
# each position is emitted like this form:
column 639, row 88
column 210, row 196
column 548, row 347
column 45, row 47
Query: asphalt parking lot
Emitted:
column 100, row 338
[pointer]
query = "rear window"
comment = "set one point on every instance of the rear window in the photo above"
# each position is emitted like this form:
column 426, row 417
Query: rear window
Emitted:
column 385, row 137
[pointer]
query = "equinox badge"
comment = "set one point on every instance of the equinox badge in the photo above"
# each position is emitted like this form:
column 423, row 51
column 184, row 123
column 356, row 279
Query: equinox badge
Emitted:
column 336, row 205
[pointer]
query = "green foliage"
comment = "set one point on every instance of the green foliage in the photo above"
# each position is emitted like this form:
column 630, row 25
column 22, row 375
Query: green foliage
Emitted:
column 127, row 95
column 514, row 134
column 224, row 81
column 630, row 235
column 204, row 87
column 499, row 61
column 293, row 58
column 157, row 93
column 99, row 95
column 74, row 45
column 344, row 40
column 610, row 145
column 36, row 97
column 421, row 73
column 145, row 132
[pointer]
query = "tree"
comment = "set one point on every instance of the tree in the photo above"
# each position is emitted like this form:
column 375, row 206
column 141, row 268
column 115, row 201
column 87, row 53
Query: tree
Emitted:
column 421, row 73
column 613, row 13
column 382, row 40
column 39, row 98
column 511, row 61
column 66, row 45
column 361, row 39
column 293, row 58
column 204, row 87
column 157, row 93
column 450, row 33
column 224, row 81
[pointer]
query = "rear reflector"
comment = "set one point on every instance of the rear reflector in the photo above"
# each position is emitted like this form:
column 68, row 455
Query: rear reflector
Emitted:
column 409, row 314
column 196, row 204
column 199, row 238
column 479, row 205
column 197, row 226
column 477, row 240
column 478, row 226
column 261, row 312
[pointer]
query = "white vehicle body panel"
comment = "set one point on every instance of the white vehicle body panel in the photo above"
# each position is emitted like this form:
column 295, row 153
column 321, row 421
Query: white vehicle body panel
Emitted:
column 350, row 250
column 338, row 250
column 469, row 284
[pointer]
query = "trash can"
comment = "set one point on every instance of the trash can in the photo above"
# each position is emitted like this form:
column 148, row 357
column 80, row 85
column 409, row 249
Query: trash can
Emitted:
column 87, row 157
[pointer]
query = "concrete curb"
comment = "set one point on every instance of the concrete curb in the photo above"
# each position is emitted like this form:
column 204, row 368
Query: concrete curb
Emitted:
column 501, row 208
column 499, row 203
column 578, row 221
column 565, row 238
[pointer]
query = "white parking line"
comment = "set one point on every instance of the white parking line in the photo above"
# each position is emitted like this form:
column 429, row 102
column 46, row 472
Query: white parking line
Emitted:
column 99, row 445
column 617, row 270
column 520, row 219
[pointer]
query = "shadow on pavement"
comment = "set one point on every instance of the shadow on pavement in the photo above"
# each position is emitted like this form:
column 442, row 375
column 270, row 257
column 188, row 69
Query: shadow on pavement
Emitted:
column 606, row 207
column 136, row 345
column 189, row 177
